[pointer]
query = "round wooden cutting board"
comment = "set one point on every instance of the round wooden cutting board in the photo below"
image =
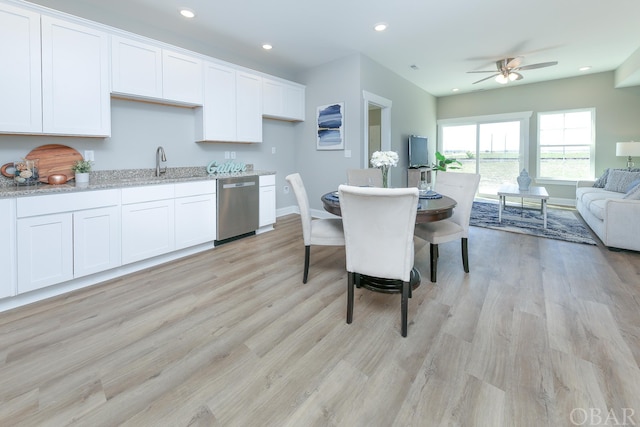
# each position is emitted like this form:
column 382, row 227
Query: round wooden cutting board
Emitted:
column 54, row 159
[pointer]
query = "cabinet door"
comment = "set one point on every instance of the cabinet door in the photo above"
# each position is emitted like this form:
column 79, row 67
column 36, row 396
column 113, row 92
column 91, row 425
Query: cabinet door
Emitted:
column 272, row 98
column 8, row 247
column 195, row 220
column 75, row 79
column 147, row 230
column 248, row 107
column 282, row 100
column 218, row 114
column 96, row 240
column 136, row 68
column 20, row 99
column 267, row 205
column 45, row 251
column 293, row 102
column 181, row 78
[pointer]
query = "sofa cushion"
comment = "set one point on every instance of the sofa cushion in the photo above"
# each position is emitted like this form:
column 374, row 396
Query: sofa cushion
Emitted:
column 597, row 208
column 619, row 180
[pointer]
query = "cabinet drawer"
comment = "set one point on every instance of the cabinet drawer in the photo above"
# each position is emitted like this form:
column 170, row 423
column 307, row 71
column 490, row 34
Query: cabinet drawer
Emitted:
column 187, row 189
column 147, row 193
column 55, row 203
column 267, row 180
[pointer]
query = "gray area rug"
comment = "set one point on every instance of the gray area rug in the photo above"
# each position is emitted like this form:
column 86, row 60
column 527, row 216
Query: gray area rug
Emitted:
column 561, row 224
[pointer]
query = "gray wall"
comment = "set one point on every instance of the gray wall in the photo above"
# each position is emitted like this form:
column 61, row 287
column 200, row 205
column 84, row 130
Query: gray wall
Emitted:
column 617, row 113
column 138, row 128
column 412, row 111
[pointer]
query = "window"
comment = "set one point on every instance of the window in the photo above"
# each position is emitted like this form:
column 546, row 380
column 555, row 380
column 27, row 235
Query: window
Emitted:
column 566, row 145
column 494, row 146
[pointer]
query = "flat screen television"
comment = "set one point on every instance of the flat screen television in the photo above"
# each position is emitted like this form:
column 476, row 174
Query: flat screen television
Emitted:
column 418, row 152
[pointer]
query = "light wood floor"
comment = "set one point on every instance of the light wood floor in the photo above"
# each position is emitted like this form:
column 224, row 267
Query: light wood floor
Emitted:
column 538, row 331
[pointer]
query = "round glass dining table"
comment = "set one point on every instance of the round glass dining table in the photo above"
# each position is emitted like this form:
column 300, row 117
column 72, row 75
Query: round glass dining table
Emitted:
column 429, row 210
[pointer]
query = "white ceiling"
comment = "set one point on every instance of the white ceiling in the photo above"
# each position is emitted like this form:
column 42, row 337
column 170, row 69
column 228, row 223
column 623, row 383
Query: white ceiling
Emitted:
column 444, row 39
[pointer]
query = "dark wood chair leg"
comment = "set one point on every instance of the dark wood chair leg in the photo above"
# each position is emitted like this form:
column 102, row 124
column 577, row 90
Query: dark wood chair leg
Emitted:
column 404, row 308
column 465, row 254
column 434, row 261
column 350, row 285
column 307, row 253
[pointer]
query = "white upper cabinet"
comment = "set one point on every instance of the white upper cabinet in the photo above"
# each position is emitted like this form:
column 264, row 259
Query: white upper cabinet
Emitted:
column 181, row 77
column 75, row 79
column 142, row 70
column 21, row 100
column 232, row 108
column 136, row 68
column 282, row 100
column 249, row 107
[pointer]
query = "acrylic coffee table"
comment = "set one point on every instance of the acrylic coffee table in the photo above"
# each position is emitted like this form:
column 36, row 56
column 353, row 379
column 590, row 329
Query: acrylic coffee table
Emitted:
column 510, row 190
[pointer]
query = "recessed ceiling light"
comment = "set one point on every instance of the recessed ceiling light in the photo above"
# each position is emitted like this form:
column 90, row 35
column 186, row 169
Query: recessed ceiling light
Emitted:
column 587, row 68
column 414, row 67
column 380, row 26
column 455, row 89
column 187, row 13
column 267, row 46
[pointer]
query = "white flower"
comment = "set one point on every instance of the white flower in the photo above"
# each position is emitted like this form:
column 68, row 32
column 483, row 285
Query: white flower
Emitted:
column 384, row 158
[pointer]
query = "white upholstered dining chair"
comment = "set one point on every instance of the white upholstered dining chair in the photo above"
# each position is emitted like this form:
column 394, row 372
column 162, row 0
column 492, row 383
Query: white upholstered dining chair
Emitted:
column 371, row 177
column 378, row 233
column 315, row 231
column 462, row 188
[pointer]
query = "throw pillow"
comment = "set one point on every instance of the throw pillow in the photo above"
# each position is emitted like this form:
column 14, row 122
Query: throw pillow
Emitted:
column 633, row 194
column 600, row 182
column 632, row 185
column 619, row 180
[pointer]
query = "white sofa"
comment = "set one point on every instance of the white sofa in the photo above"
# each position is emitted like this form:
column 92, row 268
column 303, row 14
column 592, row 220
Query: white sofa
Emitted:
column 615, row 220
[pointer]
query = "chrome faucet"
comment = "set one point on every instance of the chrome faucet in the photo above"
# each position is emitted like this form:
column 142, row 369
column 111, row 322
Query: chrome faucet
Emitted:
column 160, row 156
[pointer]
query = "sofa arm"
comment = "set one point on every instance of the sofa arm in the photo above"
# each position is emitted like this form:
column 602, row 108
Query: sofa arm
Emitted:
column 622, row 226
column 585, row 183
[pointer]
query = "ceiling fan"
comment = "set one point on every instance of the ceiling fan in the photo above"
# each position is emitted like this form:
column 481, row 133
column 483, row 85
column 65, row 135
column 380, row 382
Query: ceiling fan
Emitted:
column 507, row 69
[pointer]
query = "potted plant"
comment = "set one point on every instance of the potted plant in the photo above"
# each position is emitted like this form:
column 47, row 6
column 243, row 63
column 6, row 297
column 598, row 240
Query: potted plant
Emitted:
column 443, row 163
column 81, row 168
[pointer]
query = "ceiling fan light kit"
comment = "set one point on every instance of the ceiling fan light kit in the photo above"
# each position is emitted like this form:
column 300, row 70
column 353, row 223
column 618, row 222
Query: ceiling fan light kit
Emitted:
column 507, row 70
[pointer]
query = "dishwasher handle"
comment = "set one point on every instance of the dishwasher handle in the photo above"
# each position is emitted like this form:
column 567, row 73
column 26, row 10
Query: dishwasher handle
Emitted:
column 239, row 184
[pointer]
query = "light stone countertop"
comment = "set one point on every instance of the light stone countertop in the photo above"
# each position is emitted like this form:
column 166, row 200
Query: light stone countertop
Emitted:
column 100, row 180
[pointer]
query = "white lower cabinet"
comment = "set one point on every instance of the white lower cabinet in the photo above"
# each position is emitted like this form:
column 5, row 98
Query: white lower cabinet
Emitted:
column 195, row 218
column 147, row 230
column 7, row 248
column 267, row 200
column 45, row 251
column 96, row 240
column 64, row 236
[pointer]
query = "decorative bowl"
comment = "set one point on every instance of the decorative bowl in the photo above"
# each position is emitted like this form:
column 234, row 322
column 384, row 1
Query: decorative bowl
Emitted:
column 57, row 179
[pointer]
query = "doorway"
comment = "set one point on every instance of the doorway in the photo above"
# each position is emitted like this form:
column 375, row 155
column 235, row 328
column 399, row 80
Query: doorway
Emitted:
column 377, row 126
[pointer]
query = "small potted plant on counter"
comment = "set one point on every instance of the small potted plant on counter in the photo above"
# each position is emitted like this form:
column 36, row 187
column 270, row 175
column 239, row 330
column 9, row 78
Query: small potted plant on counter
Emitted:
column 81, row 168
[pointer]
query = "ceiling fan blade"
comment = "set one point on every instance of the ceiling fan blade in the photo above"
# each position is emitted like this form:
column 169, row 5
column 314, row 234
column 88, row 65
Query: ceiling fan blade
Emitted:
column 539, row 65
column 487, row 78
column 483, row 71
column 513, row 62
column 518, row 75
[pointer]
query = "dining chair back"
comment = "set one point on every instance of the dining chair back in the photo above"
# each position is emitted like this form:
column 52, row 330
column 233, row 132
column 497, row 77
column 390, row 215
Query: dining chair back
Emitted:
column 461, row 187
column 378, row 230
column 315, row 231
column 371, row 177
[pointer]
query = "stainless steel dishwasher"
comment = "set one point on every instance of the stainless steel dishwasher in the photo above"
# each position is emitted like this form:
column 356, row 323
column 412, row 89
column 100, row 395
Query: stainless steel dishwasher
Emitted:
column 237, row 207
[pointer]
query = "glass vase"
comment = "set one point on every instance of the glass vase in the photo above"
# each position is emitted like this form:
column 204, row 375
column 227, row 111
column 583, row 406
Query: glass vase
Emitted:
column 385, row 176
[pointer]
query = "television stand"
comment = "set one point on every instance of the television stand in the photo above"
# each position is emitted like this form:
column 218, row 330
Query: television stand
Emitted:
column 413, row 176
